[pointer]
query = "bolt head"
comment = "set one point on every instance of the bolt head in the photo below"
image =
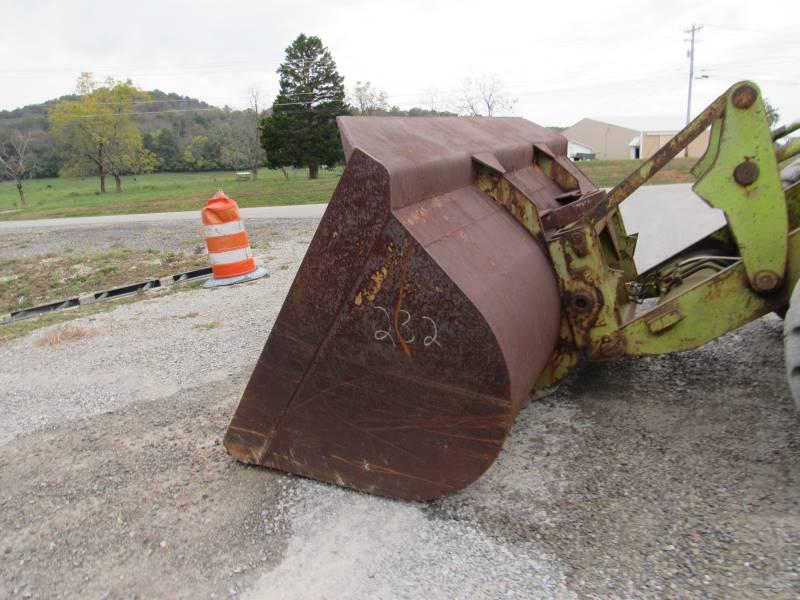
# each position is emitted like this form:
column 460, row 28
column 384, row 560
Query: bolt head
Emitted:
column 612, row 346
column 581, row 302
column 576, row 238
column 766, row 281
column 578, row 242
column 746, row 172
column 744, row 96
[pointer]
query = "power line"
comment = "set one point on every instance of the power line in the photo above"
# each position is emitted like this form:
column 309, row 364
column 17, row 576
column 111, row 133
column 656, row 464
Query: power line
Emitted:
column 644, row 78
column 772, row 34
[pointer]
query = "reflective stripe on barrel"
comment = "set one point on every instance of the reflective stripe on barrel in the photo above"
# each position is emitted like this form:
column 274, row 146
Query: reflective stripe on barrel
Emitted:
column 233, row 241
column 226, row 239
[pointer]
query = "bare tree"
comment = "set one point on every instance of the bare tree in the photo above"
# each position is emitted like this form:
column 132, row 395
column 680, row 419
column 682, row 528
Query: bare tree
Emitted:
column 16, row 161
column 254, row 149
column 484, row 96
column 368, row 100
column 240, row 146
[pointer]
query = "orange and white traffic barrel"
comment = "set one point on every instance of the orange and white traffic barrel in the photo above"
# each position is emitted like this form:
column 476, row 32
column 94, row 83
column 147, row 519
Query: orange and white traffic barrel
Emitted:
column 228, row 247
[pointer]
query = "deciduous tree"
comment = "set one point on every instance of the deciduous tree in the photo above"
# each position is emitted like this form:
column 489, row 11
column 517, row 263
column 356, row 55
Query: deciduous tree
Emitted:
column 773, row 116
column 164, row 145
column 369, row 101
column 248, row 132
column 243, row 149
column 484, row 97
column 16, row 161
column 301, row 131
column 98, row 133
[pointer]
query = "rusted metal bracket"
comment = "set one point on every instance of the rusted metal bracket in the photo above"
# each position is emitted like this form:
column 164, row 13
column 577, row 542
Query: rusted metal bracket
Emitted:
column 490, row 178
column 595, row 297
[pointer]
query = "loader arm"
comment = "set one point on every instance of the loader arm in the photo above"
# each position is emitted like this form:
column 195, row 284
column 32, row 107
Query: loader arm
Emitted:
column 733, row 276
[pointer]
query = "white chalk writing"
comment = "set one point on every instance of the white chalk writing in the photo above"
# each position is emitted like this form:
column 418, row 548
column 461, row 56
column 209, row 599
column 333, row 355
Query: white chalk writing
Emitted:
column 404, row 329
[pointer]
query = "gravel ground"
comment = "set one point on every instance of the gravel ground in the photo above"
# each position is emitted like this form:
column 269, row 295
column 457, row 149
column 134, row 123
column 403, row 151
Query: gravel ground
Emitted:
column 172, row 236
column 673, row 476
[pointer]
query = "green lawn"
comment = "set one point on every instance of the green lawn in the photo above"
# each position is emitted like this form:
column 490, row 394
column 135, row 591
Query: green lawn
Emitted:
column 608, row 173
column 161, row 192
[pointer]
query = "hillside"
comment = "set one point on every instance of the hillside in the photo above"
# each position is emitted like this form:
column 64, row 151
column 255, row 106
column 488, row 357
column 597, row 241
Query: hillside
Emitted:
column 191, row 124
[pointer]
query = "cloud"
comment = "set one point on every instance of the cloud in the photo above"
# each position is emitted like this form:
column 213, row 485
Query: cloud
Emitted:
column 560, row 61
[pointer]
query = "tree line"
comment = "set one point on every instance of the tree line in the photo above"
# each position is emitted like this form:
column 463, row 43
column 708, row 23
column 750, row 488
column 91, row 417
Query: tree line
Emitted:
column 112, row 128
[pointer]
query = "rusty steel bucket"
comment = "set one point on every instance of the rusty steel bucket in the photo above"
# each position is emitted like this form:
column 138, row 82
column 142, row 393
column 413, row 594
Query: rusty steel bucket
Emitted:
column 419, row 320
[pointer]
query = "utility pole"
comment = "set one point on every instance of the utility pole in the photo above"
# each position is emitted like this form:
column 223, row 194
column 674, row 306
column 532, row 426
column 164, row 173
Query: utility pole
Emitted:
column 694, row 29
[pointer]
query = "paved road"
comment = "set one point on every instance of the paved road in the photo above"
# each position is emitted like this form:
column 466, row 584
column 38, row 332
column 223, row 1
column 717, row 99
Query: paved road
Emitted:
column 667, row 217
column 297, row 211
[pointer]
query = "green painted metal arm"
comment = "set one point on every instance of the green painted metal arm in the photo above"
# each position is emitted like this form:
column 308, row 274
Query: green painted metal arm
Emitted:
column 739, row 174
column 708, row 310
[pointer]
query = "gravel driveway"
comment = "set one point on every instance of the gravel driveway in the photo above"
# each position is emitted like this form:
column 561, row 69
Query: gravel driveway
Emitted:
column 674, row 476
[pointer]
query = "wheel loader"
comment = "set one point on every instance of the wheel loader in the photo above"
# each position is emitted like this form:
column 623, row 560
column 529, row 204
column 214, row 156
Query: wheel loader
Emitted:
column 464, row 263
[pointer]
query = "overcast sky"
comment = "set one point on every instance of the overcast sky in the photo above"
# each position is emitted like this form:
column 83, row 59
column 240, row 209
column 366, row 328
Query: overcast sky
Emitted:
column 560, row 61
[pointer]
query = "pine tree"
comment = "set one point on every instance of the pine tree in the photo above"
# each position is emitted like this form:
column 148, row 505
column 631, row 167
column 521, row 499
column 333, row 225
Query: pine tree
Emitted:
column 301, row 131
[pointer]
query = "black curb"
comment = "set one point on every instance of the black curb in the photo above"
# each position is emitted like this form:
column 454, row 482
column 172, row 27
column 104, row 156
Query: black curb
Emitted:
column 91, row 298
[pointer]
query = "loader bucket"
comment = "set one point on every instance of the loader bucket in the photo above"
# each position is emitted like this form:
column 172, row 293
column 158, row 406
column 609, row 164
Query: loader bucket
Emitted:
column 419, row 319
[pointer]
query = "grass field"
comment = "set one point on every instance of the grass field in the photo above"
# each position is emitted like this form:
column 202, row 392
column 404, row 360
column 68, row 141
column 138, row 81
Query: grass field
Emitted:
column 608, row 173
column 161, row 192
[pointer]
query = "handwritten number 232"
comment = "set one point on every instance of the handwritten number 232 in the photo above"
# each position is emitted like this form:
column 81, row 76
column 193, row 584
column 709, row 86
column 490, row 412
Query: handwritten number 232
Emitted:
column 404, row 329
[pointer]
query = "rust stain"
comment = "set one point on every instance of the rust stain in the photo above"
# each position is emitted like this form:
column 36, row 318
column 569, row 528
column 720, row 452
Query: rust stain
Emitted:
column 402, row 287
column 371, row 291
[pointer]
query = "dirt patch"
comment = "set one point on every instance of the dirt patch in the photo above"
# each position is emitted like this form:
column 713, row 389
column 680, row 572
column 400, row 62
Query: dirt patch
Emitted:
column 53, row 277
column 65, row 333
column 177, row 236
column 671, row 476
